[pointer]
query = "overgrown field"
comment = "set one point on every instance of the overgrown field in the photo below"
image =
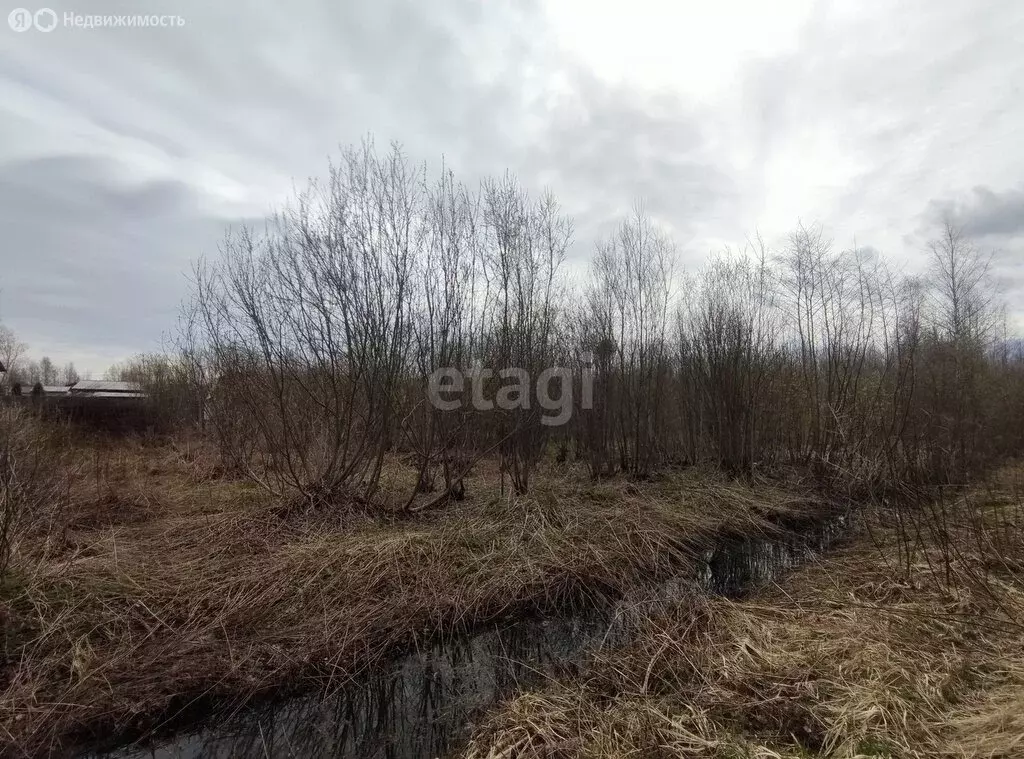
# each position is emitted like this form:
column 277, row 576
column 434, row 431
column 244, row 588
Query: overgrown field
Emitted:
column 905, row 644
column 164, row 586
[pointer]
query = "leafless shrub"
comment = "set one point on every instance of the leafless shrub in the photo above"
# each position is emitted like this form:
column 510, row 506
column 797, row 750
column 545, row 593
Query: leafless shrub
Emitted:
column 307, row 329
column 525, row 247
column 444, row 329
column 307, row 348
column 730, row 350
column 629, row 304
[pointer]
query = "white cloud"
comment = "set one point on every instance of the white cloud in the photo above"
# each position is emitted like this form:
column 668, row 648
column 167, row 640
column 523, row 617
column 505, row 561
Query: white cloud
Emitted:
column 692, row 48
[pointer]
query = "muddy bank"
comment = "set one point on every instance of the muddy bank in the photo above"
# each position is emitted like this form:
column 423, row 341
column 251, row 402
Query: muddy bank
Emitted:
column 903, row 642
column 424, row 703
column 193, row 597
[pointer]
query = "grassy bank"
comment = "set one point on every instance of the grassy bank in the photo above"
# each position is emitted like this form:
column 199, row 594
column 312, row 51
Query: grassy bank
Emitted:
column 906, row 644
column 164, row 583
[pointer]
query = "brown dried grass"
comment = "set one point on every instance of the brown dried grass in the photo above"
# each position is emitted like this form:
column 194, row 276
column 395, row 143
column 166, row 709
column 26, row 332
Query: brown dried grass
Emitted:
column 851, row 657
column 166, row 585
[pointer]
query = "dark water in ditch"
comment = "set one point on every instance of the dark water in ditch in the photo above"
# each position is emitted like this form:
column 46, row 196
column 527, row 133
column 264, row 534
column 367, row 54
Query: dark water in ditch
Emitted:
column 423, row 704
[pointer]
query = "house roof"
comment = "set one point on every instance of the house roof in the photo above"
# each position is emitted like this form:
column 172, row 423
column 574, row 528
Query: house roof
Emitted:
column 105, row 386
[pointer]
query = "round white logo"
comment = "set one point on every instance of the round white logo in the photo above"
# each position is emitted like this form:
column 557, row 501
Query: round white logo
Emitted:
column 45, row 20
column 20, row 19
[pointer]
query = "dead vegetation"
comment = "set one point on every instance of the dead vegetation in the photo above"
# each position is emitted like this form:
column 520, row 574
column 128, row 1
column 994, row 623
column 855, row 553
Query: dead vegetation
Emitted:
column 160, row 586
column 338, row 505
column 864, row 654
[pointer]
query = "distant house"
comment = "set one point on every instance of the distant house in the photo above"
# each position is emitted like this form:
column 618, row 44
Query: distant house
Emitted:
column 106, row 389
column 115, row 405
column 50, row 390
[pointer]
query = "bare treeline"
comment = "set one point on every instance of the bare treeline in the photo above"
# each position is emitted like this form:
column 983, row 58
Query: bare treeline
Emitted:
column 310, row 345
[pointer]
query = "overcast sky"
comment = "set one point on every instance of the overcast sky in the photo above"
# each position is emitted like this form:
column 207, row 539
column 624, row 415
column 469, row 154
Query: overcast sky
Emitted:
column 126, row 152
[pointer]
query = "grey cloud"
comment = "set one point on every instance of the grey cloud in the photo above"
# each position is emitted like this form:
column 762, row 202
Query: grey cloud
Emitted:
column 288, row 83
column 993, row 221
column 226, row 112
column 606, row 147
column 90, row 259
column 984, row 212
column 918, row 95
column 868, row 254
column 96, row 257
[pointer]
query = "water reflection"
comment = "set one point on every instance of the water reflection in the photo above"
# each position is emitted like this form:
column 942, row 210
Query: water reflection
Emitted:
column 735, row 566
column 424, row 705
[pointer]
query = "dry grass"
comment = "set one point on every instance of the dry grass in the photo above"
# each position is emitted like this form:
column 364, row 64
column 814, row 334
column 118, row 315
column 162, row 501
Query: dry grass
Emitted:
column 851, row 657
column 164, row 584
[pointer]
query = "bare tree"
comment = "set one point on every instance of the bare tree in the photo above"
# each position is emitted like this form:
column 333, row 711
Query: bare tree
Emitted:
column 732, row 333
column 525, row 248
column 963, row 294
column 11, row 352
column 68, row 375
column 633, row 274
column 307, row 328
column 444, row 331
column 47, row 371
column 963, row 318
column 308, row 346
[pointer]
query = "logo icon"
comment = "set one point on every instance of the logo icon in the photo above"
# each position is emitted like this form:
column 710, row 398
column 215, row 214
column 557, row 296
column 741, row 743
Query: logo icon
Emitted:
column 20, row 19
column 45, row 19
